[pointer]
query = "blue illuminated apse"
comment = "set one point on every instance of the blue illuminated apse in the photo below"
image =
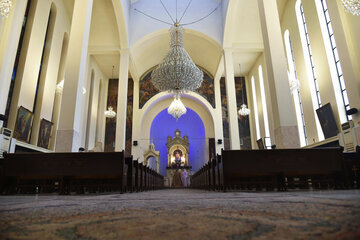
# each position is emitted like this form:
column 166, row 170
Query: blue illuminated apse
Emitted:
column 190, row 124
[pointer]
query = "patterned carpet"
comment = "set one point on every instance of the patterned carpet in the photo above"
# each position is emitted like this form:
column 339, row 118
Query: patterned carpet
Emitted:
column 183, row 214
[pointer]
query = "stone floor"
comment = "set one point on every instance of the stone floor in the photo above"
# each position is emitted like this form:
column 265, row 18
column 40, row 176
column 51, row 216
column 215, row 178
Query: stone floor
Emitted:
column 183, row 214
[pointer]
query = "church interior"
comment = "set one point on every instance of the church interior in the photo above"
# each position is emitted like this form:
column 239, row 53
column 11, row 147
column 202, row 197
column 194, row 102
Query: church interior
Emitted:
column 172, row 119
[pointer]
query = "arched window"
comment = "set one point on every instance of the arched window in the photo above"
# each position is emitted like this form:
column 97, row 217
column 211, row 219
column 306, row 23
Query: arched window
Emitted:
column 256, row 114
column 310, row 68
column 265, row 113
column 296, row 92
column 341, row 95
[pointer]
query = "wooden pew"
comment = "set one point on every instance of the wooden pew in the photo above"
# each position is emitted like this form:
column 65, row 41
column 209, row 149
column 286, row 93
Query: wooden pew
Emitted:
column 64, row 172
column 281, row 168
column 131, row 174
column 269, row 169
column 351, row 164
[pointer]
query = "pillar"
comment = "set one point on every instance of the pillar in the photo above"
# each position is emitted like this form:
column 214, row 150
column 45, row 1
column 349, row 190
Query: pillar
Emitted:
column 68, row 134
column 231, row 100
column 10, row 35
column 30, row 58
column 120, row 137
column 283, row 115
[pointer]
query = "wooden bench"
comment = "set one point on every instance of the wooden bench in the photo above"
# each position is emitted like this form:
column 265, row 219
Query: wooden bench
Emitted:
column 270, row 169
column 64, row 172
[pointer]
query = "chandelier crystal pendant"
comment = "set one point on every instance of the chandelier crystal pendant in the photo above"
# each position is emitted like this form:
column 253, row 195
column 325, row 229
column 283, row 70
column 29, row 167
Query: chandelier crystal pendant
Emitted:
column 177, row 108
column 352, row 6
column 110, row 113
column 177, row 73
column 5, row 7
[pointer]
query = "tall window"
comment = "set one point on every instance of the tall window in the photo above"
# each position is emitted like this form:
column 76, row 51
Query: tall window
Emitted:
column 310, row 56
column 265, row 114
column 256, row 115
column 334, row 60
column 296, row 94
column 17, row 59
column 309, row 62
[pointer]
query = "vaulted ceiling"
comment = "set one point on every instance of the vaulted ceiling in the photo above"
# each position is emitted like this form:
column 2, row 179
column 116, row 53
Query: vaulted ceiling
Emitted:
column 241, row 31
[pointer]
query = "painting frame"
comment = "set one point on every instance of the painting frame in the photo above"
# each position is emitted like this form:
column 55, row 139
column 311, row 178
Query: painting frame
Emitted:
column 45, row 133
column 327, row 121
column 23, row 124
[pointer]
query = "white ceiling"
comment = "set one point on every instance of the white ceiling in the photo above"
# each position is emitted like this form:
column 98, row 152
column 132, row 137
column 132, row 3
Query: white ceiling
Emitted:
column 244, row 34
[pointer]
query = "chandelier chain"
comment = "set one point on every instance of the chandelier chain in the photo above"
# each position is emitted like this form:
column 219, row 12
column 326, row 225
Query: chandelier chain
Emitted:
column 167, row 11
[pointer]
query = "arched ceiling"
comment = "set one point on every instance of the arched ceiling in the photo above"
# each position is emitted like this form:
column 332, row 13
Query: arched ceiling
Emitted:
column 149, row 41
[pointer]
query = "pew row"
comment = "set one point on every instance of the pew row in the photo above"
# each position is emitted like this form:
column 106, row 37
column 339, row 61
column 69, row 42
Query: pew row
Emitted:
column 279, row 169
column 66, row 173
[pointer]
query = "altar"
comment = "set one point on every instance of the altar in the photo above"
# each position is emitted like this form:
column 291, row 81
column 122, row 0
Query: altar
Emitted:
column 178, row 168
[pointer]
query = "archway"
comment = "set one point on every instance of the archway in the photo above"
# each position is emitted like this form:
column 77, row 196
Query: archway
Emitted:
column 190, row 124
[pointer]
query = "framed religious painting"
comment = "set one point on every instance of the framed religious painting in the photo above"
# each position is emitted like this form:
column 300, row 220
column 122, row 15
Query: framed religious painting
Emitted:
column 23, row 125
column 327, row 121
column 45, row 132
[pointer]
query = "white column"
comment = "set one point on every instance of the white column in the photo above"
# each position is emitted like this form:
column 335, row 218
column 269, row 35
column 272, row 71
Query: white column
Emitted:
column 231, row 100
column 135, row 150
column 120, row 137
column 28, row 69
column 218, row 122
column 68, row 133
column 49, row 74
column 283, row 115
column 10, row 35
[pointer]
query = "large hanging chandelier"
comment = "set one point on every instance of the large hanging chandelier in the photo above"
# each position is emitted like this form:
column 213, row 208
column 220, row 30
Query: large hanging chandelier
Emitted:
column 352, row 6
column 5, row 7
column 177, row 72
column 177, row 108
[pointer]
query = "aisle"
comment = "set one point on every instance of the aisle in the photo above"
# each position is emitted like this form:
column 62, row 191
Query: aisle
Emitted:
column 183, row 214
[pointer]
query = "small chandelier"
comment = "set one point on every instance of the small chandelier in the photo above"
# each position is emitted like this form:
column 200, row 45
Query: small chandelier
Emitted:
column 177, row 72
column 177, row 108
column 110, row 113
column 243, row 111
column 5, row 7
column 352, row 6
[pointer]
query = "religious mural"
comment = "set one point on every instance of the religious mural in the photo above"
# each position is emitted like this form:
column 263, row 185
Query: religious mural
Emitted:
column 147, row 90
column 129, row 118
column 225, row 114
column 207, row 89
column 243, row 121
column 110, row 127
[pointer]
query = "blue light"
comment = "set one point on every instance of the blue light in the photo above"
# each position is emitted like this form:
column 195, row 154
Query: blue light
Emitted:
column 190, row 124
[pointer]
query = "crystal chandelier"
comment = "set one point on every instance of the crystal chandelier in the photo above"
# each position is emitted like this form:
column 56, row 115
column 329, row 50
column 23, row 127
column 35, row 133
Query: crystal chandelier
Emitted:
column 5, row 6
column 110, row 113
column 244, row 111
column 177, row 72
column 177, row 108
column 352, row 6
